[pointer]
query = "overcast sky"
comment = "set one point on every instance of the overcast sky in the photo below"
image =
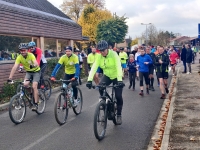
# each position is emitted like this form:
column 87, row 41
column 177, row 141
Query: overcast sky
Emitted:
column 178, row 16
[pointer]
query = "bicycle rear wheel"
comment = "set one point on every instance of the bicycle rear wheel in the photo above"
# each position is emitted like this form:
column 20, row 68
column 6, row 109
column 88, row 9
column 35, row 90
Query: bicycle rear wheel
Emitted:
column 42, row 102
column 100, row 120
column 61, row 109
column 47, row 88
column 78, row 108
column 17, row 109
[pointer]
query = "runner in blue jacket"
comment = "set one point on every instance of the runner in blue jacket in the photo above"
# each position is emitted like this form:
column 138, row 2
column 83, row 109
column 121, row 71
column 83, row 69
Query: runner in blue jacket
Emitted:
column 143, row 62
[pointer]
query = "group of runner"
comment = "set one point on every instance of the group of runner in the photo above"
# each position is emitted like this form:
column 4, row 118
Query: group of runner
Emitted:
column 143, row 61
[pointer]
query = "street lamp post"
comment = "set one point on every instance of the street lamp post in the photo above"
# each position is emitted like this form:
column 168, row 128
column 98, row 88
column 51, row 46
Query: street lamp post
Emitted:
column 146, row 31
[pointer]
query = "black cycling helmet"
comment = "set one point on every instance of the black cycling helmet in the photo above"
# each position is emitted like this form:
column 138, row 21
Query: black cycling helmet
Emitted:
column 102, row 45
column 76, row 50
column 121, row 48
column 23, row 46
column 68, row 48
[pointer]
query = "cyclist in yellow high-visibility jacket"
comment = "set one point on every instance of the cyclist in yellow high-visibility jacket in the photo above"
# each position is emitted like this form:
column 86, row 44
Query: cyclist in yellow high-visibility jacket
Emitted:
column 110, row 63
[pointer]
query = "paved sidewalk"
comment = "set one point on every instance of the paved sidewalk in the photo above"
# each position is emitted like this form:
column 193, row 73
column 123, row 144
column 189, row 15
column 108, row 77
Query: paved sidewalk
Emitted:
column 185, row 123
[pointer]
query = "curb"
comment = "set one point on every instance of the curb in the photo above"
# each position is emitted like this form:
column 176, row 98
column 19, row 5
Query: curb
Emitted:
column 56, row 89
column 155, row 136
column 165, row 141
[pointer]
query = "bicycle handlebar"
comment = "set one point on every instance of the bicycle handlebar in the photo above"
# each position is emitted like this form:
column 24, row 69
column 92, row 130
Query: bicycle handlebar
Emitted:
column 61, row 80
column 104, row 86
column 18, row 81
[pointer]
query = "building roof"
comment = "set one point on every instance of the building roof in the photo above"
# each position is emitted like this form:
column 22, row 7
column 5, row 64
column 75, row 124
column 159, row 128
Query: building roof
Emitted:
column 180, row 38
column 20, row 20
column 41, row 5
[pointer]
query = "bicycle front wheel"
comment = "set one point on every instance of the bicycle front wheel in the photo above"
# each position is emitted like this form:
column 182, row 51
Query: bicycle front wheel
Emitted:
column 78, row 108
column 47, row 88
column 100, row 120
column 115, row 113
column 18, row 88
column 42, row 102
column 17, row 109
column 61, row 109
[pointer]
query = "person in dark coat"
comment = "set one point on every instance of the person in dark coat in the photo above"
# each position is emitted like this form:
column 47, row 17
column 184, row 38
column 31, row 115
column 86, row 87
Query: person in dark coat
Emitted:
column 183, row 58
column 189, row 55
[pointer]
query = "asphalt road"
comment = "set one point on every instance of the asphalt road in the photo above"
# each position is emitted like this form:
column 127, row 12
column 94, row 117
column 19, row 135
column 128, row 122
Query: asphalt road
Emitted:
column 42, row 131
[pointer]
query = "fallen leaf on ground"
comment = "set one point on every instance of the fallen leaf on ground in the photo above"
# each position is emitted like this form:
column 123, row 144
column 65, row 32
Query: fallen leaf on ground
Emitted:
column 192, row 138
column 187, row 125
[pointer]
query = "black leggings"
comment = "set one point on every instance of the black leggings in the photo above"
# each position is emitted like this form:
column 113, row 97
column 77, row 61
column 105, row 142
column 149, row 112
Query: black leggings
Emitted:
column 146, row 78
column 118, row 92
column 74, row 83
column 42, row 70
column 132, row 78
column 80, row 77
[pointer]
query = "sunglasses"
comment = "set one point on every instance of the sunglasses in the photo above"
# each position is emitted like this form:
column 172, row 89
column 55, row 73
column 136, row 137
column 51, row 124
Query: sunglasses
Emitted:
column 31, row 47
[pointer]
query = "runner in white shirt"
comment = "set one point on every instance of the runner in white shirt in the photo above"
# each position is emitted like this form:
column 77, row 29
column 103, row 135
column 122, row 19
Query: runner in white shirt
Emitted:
column 136, row 55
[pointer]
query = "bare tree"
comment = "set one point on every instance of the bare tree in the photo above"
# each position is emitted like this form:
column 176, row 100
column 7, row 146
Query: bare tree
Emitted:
column 74, row 8
column 155, row 37
column 96, row 3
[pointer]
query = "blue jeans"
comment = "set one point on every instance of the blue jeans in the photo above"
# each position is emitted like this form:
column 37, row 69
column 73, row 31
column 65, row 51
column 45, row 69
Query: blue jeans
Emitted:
column 184, row 64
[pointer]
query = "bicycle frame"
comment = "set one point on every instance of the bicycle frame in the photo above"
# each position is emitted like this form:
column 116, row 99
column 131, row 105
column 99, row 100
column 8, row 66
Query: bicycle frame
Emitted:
column 105, row 93
column 23, row 92
column 64, row 90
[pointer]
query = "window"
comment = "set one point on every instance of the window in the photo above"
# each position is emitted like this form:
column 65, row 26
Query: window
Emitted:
column 9, row 46
column 61, row 45
column 50, row 49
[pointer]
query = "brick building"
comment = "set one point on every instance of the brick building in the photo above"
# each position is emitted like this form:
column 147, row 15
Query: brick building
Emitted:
column 22, row 21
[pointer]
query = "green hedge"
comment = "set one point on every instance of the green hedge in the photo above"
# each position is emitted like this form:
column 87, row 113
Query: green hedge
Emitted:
column 9, row 90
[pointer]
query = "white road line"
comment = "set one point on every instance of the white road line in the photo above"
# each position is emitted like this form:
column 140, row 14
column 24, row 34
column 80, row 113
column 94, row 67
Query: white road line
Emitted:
column 46, row 136
column 51, row 132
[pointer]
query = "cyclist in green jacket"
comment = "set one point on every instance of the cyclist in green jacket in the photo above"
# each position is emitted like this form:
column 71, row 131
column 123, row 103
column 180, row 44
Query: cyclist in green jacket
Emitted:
column 92, row 57
column 110, row 63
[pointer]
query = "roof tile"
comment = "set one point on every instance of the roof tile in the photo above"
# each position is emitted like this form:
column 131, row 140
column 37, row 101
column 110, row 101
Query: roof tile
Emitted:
column 42, row 5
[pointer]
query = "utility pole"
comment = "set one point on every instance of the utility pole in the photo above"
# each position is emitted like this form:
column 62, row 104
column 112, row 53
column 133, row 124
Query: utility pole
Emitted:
column 146, row 31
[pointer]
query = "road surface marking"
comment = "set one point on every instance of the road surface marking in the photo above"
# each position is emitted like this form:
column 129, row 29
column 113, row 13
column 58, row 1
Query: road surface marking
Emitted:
column 46, row 136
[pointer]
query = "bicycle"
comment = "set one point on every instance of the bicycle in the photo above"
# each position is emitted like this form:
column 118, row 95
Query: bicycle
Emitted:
column 45, row 87
column 65, row 100
column 21, row 100
column 108, row 106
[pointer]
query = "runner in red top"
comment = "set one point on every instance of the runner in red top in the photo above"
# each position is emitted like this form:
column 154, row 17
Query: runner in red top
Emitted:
column 173, row 60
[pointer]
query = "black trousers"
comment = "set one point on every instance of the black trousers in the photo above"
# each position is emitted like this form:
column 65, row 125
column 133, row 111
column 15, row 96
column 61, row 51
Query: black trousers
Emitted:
column 74, row 83
column 42, row 69
column 118, row 92
column 80, row 77
column 144, row 75
column 132, row 79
